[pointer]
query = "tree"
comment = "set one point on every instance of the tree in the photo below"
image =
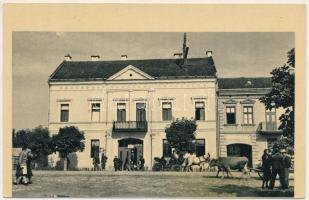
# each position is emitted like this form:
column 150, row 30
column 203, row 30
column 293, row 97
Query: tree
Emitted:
column 181, row 133
column 282, row 95
column 38, row 140
column 68, row 140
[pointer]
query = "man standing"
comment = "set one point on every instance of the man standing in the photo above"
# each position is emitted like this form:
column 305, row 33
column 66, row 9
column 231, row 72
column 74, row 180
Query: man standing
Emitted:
column 96, row 161
column 116, row 162
column 276, row 165
column 286, row 160
column 141, row 163
column 103, row 161
column 266, row 168
column 23, row 157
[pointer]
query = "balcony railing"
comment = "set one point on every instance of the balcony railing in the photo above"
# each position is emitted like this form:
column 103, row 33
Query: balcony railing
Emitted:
column 130, row 126
column 268, row 128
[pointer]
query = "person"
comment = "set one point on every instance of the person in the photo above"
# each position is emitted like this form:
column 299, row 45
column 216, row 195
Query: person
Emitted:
column 127, row 164
column 141, row 163
column 276, row 165
column 23, row 156
column 266, row 168
column 103, row 161
column 96, row 161
column 286, row 160
column 119, row 164
column 116, row 162
column 30, row 157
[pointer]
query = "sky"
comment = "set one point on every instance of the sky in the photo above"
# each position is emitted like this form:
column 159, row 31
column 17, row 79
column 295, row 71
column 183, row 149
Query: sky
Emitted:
column 37, row 54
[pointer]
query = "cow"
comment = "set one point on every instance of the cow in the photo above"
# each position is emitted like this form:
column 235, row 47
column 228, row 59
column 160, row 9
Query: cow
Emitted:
column 225, row 164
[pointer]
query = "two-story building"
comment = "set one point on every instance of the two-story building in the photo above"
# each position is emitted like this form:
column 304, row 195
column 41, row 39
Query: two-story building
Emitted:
column 124, row 106
column 245, row 127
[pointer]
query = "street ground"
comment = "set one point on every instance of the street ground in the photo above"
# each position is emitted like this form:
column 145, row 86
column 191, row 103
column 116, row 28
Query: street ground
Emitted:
column 144, row 184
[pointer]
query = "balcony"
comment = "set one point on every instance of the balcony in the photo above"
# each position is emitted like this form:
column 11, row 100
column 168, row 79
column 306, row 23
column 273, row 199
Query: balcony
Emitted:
column 268, row 128
column 130, row 126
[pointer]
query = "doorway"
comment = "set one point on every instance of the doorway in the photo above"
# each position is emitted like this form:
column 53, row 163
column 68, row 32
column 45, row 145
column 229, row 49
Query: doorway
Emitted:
column 131, row 149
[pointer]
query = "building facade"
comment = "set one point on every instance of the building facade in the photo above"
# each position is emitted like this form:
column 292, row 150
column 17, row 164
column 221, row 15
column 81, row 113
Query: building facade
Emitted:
column 246, row 128
column 123, row 107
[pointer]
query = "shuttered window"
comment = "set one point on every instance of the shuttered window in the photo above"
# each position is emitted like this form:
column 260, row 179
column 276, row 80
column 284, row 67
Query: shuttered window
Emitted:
column 64, row 113
column 167, row 149
column 95, row 148
column 167, row 111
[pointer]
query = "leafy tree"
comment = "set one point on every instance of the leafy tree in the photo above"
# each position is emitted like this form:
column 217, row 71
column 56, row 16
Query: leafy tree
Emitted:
column 282, row 95
column 181, row 133
column 38, row 140
column 68, row 140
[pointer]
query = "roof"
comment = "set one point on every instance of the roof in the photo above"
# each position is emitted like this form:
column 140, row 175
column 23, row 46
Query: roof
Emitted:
column 157, row 68
column 244, row 82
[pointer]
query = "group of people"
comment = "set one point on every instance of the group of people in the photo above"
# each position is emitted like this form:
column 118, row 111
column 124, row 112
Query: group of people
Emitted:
column 275, row 164
column 96, row 161
column 23, row 169
column 129, row 164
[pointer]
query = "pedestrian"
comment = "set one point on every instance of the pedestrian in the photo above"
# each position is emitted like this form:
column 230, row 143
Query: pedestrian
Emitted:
column 277, row 166
column 103, row 161
column 141, row 163
column 116, row 162
column 119, row 164
column 266, row 164
column 286, row 160
column 23, row 165
column 30, row 157
column 127, row 164
column 96, row 161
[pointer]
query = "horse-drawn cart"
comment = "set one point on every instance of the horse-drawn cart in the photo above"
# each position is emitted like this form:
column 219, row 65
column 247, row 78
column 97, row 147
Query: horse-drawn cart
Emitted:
column 162, row 164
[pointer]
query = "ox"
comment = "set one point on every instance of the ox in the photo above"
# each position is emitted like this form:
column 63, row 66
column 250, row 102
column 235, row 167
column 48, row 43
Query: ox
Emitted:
column 225, row 164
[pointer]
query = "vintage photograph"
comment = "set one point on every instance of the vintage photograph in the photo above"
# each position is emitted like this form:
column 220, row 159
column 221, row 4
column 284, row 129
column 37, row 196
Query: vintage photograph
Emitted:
column 153, row 114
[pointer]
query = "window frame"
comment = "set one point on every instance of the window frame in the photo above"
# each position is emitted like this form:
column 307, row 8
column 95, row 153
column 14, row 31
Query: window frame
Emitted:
column 226, row 114
column 137, row 109
column 91, row 149
column 92, row 111
column 122, row 110
column 61, row 111
column 248, row 114
column 171, row 111
column 196, row 111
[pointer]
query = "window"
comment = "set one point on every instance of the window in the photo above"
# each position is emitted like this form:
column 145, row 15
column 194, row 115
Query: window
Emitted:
column 230, row 115
column 121, row 112
column 167, row 111
column 95, row 112
column 64, row 113
column 140, row 112
column 199, row 111
column 271, row 124
column 248, row 114
column 95, row 148
column 167, row 149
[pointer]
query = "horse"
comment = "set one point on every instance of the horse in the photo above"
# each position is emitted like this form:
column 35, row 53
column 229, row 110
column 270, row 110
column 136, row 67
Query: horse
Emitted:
column 192, row 159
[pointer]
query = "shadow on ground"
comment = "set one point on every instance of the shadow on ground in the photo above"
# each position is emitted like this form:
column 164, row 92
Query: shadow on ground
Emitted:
column 243, row 191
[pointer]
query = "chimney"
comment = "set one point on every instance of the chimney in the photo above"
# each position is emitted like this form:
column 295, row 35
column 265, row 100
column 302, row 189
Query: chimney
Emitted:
column 124, row 57
column 177, row 55
column 208, row 54
column 95, row 58
column 67, row 57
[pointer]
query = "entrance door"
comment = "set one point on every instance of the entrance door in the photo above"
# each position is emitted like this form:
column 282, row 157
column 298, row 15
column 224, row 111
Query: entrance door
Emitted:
column 130, row 148
column 240, row 150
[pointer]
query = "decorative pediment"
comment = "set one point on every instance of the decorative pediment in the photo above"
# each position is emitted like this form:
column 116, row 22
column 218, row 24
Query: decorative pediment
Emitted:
column 166, row 98
column 247, row 101
column 230, row 101
column 120, row 99
column 130, row 73
column 140, row 99
column 94, row 99
column 196, row 98
column 63, row 100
